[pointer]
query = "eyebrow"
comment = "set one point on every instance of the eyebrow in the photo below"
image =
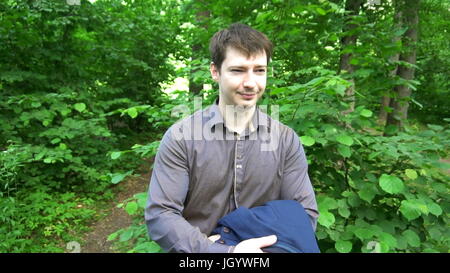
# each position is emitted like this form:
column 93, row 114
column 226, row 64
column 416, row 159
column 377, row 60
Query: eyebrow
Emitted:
column 244, row 66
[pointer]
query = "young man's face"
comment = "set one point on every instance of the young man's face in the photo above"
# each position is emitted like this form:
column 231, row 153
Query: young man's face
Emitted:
column 241, row 80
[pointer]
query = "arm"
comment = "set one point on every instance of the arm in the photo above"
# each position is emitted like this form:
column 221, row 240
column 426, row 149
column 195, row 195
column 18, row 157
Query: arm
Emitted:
column 296, row 184
column 168, row 189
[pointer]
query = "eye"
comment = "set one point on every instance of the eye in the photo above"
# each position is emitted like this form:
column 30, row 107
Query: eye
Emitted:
column 236, row 70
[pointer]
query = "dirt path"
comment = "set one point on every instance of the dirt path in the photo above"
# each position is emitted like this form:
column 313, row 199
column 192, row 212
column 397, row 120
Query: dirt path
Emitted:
column 96, row 240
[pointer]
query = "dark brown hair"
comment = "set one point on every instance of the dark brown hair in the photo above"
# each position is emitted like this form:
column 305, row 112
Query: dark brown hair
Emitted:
column 241, row 37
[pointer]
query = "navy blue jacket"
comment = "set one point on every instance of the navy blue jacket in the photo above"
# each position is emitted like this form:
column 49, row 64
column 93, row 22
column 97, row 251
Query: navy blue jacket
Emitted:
column 286, row 219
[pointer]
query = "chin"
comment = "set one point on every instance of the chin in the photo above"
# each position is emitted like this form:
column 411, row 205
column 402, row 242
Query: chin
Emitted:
column 246, row 104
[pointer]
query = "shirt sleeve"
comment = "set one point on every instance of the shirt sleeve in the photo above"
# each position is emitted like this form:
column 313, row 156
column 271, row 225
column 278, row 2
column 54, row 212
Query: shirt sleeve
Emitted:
column 169, row 185
column 296, row 184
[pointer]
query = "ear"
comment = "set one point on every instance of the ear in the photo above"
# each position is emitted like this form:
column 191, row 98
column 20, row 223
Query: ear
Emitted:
column 214, row 72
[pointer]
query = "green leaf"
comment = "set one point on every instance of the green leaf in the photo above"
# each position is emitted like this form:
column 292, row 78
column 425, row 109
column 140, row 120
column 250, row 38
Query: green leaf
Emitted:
column 132, row 112
column 401, row 242
column 435, row 127
column 321, row 11
column 326, row 219
column 344, row 150
column 340, row 89
column 115, row 155
column 412, row 238
column 80, row 107
column 374, row 154
column 125, row 236
column 409, row 210
column 147, row 247
column 112, row 236
column 435, row 233
column 343, row 246
column 326, row 203
column 384, row 247
column 35, row 104
column 367, row 194
column 55, row 141
column 131, row 208
column 46, row 122
column 363, row 233
column 411, row 174
column 345, row 139
column 366, row 113
column 388, row 239
column 391, row 184
column 117, row 177
column 344, row 211
column 352, row 198
column 307, row 140
column 434, row 209
column 141, row 199
column 40, row 155
column 65, row 111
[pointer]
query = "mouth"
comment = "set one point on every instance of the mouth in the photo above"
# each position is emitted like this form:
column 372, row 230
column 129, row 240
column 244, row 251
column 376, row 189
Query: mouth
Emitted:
column 247, row 96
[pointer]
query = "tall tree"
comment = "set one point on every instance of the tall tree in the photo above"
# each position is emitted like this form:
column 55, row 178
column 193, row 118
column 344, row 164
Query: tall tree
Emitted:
column 402, row 93
column 352, row 8
column 201, row 21
column 386, row 99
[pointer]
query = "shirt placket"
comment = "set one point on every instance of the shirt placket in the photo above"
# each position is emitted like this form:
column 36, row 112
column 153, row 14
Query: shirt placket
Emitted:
column 238, row 168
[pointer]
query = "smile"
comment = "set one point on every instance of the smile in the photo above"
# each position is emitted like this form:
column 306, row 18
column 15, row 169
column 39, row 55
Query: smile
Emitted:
column 247, row 95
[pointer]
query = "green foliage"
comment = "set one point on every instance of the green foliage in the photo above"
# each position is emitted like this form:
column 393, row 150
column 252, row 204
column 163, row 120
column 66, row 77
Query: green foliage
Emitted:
column 433, row 61
column 375, row 193
column 391, row 192
column 65, row 70
column 81, row 103
column 39, row 220
column 134, row 239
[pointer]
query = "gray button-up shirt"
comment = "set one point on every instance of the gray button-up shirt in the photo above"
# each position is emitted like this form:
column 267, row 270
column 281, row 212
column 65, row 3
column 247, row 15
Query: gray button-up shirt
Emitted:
column 202, row 172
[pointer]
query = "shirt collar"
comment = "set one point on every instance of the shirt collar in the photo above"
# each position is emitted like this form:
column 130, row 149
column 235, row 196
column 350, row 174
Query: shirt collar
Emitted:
column 259, row 119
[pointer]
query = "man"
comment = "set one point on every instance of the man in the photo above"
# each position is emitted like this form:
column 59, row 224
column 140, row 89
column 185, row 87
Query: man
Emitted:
column 242, row 157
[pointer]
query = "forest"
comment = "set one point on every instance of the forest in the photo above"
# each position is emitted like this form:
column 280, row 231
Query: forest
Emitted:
column 88, row 88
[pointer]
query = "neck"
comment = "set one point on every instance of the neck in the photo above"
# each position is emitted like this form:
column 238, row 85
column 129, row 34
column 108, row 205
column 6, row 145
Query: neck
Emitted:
column 237, row 118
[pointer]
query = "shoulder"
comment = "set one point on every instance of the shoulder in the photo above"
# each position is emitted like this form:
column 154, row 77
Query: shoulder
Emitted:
column 184, row 128
column 276, row 127
column 190, row 127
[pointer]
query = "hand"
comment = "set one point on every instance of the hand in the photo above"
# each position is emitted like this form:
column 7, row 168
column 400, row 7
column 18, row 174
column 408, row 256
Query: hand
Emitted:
column 254, row 245
column 214, row 238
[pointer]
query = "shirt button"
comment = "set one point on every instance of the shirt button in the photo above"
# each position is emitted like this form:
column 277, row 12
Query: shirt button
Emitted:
column 226, row 230
column 239, row 166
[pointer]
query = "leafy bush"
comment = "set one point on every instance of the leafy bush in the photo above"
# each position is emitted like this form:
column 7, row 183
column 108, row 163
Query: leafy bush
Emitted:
column 134, row 239
column 65, row 70
column 41, row 221
column 375, row 193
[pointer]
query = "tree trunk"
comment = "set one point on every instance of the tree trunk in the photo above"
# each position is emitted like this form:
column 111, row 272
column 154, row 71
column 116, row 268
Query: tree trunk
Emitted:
column 386, row 98
column 352, row 8
column 402, row 93
column 200, row 17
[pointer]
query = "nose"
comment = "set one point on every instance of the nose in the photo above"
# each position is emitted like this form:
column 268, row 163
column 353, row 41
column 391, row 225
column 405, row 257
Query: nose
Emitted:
column 249, row 80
